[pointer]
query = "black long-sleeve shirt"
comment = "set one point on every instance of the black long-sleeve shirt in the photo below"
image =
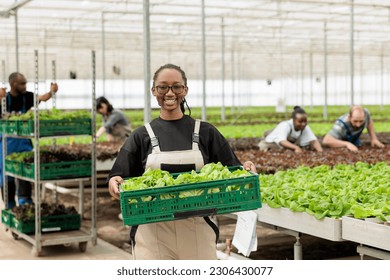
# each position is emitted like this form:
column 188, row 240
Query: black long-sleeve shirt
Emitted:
column 172, row 136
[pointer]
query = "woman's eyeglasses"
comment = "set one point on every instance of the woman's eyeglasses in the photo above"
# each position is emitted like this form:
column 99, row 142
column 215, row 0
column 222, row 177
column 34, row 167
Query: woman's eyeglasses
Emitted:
column 177, row 89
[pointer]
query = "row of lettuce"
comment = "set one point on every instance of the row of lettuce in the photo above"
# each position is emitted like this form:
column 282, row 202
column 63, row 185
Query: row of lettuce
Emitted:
column 360, row 190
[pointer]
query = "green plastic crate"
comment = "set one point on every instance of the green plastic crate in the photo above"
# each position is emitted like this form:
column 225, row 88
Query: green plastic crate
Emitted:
column 56, row 127
column 10, row 126
column 59, row 170
column 48, row 223
column 2, row 125
column 14, row 167
column 6, row 217
column 246, row 196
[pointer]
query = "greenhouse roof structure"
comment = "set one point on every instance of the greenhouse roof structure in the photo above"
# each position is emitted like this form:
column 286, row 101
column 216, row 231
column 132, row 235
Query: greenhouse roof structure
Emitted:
column 259, row 39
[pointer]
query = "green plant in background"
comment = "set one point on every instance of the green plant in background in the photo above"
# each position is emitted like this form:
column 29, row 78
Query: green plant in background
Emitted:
column 54, row 114
column 361, row 190
column 244, row 122
column 241, row 122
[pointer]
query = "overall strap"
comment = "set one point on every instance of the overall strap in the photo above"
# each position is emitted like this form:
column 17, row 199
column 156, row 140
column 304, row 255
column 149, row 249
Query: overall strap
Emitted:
column 350, row 137
column 153, row 138
column 9, row 101
column 133, row 231
column 24, row 104
column 195, row 136
column 345, row 126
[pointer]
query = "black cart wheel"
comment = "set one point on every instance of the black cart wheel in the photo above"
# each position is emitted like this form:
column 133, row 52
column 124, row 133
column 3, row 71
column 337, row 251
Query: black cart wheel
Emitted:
column 15, row 236
column 83, row 246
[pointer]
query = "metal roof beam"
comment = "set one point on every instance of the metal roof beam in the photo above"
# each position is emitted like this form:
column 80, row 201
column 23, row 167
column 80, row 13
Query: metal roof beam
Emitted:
column 11, row 9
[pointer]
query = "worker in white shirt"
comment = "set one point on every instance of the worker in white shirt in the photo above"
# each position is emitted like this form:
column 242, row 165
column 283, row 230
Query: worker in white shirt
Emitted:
column 293, row 134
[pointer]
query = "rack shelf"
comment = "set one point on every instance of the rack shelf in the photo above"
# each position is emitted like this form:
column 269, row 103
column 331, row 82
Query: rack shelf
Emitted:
column 40, row 239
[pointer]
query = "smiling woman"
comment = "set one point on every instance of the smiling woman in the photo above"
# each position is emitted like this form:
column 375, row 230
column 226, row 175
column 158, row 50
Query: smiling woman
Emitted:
column 174, row 142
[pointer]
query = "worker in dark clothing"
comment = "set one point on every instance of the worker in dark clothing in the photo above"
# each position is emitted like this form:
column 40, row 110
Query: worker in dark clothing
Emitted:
column 19, row 101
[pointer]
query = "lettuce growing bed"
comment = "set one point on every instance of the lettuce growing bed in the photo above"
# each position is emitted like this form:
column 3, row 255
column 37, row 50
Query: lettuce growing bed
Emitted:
column 185, row 200
column 326, row 228
column 368, row 232
column 360, row 190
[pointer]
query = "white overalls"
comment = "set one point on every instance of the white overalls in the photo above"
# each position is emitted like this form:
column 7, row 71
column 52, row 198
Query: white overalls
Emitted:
column 191, row 238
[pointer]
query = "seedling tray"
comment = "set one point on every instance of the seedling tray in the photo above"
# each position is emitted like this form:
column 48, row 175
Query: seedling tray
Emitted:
column 166, row 205
column 48, row 224
column 56, row 127
column 59, row 170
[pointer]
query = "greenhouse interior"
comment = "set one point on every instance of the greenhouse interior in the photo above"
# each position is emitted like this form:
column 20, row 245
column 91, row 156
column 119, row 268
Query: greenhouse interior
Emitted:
column 194, row 130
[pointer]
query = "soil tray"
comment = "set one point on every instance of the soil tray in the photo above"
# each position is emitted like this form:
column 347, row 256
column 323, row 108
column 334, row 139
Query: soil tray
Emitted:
column 48, row 224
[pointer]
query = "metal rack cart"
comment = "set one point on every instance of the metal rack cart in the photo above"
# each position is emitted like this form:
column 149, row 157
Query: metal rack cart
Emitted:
column 40, row 239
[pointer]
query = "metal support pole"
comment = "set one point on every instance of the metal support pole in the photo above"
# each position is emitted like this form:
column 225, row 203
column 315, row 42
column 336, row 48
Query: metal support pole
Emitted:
column 204, row 117
column 296, row 81
column 103, row 56
column 223, row 117
column 124, row 81
column 44, row 56
column 16, row 40
column 351, row 53
column 382, row 80
column 239, row 82
column 4, row 142
column 233, row 82
column 147, row 107
column 53, row 95
column 53, row 72
column 325, row 110
column 3, row 99
column 361, row 80
column 37, row 182
column 311, row 81
column 93, row 154
column 298, row 249
column 303, row 77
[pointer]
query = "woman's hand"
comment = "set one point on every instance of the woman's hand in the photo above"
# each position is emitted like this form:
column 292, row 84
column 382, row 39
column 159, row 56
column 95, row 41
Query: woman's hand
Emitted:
column 113, row 186
column 250, row 166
